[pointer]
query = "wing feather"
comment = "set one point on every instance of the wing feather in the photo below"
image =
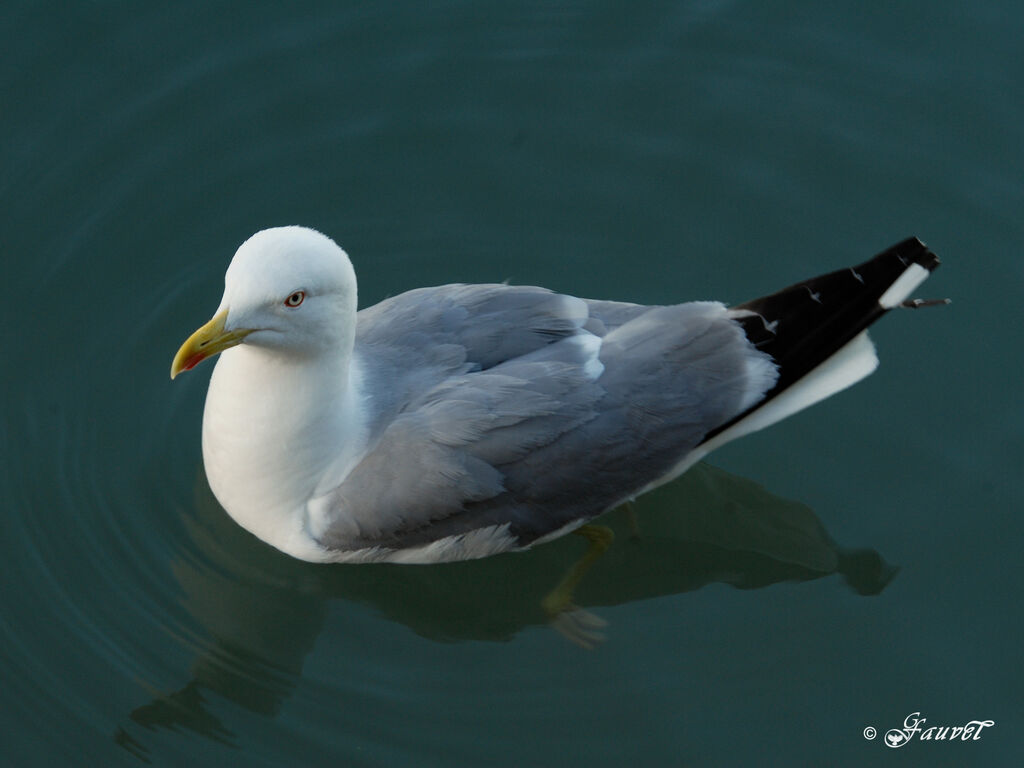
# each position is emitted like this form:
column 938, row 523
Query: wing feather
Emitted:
column 520, row 409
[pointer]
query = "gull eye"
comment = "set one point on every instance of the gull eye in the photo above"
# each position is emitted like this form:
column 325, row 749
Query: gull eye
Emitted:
column 295, row 299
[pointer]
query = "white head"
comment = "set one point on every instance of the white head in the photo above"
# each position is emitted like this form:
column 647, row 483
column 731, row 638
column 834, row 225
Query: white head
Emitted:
column 289, row 289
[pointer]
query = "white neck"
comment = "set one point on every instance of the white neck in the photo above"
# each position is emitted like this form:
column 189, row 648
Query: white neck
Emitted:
column 271, row 440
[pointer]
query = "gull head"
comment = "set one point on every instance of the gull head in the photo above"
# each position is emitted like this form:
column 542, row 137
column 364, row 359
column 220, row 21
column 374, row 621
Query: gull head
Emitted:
column 291, row 290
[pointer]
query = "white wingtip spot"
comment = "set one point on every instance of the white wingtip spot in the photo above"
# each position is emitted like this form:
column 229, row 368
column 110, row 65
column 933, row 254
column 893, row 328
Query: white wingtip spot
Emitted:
column 912, row 277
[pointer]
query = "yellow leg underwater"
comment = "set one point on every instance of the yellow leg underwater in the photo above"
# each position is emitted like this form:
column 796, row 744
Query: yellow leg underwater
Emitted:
column 577, row 625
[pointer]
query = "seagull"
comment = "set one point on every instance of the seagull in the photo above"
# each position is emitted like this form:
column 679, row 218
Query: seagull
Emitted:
column 462, row 421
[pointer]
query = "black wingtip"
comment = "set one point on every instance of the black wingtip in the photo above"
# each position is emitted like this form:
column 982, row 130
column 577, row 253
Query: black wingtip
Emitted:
column 831, row 294
column 803, row 325
column 911, row 251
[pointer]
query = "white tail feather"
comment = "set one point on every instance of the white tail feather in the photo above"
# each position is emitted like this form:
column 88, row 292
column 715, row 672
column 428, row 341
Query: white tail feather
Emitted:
column 854, row 361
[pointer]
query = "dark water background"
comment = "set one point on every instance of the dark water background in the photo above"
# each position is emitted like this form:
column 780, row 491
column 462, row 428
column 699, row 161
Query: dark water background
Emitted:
column 647, row 152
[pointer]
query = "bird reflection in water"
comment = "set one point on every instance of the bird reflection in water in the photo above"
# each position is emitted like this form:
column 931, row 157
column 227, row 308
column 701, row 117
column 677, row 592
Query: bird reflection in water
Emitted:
column 263, row 611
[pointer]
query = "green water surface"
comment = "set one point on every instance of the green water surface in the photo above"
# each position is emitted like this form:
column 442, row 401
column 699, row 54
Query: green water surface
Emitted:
column 842, row 570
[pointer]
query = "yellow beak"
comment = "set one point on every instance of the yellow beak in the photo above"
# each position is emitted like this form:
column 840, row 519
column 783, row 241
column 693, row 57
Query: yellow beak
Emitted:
column 207, row 342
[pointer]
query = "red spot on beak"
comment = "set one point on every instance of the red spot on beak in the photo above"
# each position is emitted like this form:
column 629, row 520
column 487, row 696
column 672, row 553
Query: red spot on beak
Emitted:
column 193, row 361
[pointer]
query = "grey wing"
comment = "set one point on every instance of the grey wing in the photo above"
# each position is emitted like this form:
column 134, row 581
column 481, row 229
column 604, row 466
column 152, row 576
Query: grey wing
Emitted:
column 418, row 339
column 492, row 323
column 414, row 341
column 671, row 374
column 449, row 448
column 533, row 442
